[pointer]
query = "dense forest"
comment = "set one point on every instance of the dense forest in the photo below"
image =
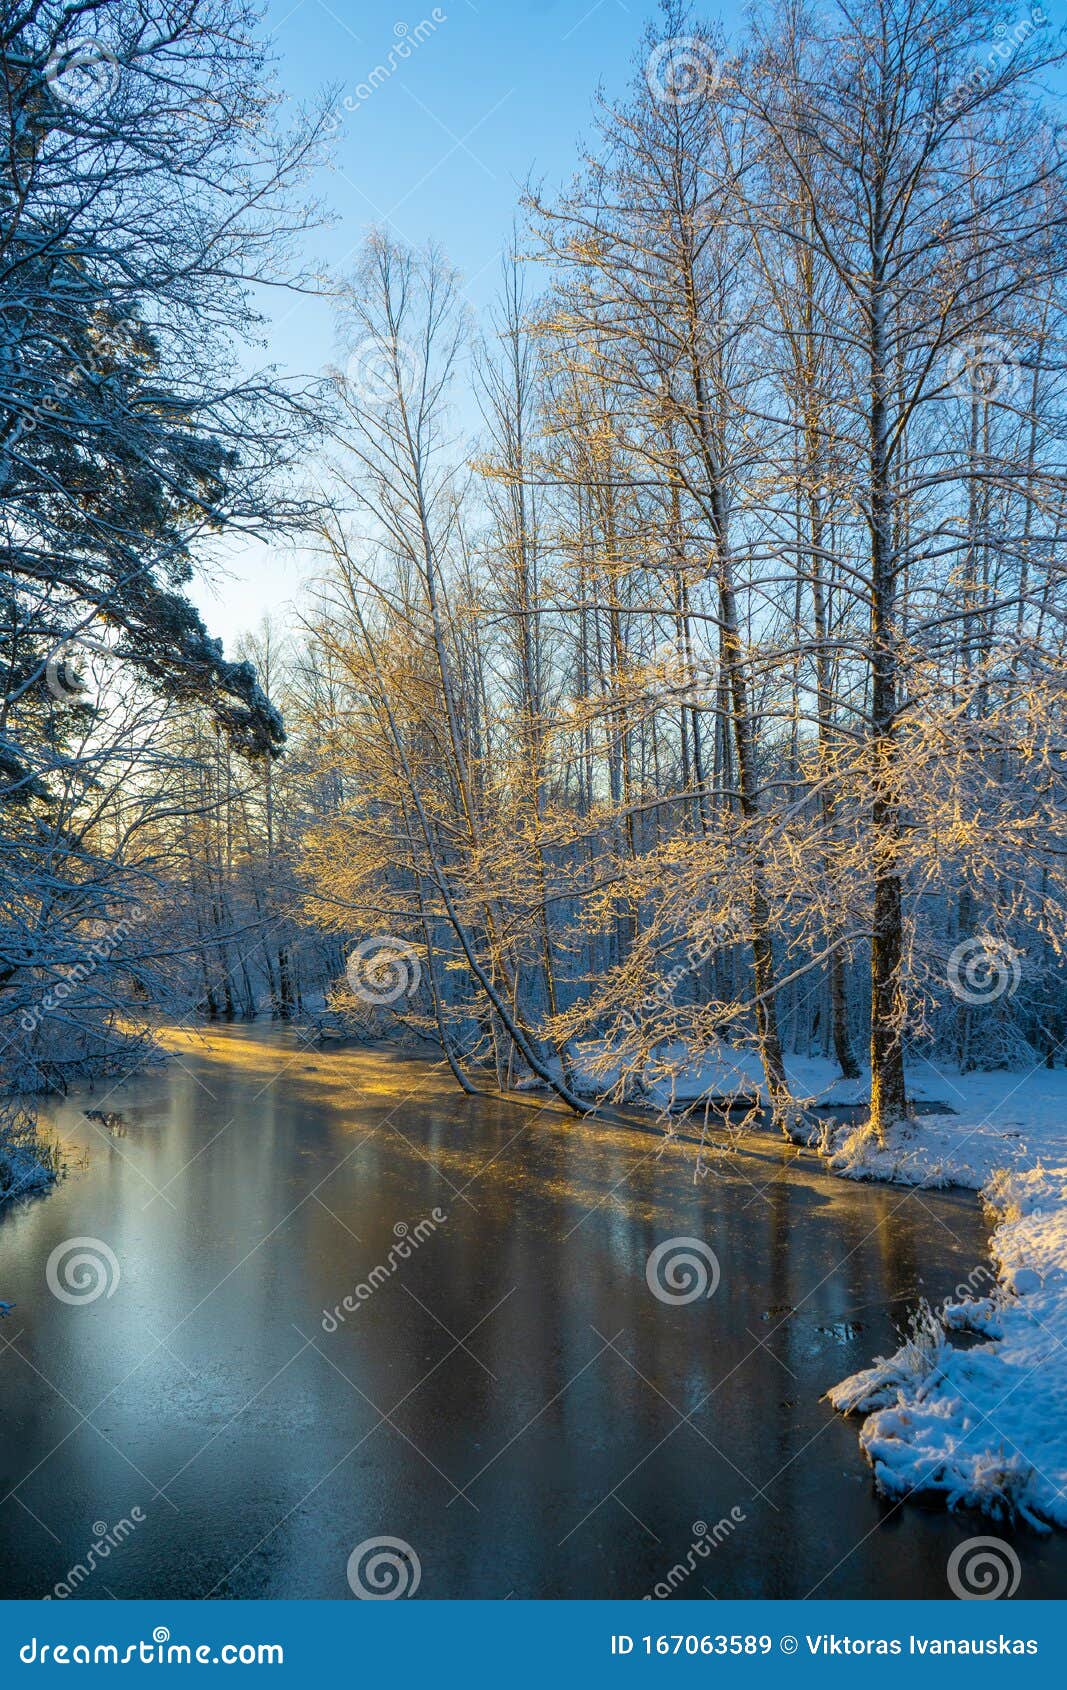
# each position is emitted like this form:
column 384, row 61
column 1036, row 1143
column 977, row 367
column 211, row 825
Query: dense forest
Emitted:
column 683, row 667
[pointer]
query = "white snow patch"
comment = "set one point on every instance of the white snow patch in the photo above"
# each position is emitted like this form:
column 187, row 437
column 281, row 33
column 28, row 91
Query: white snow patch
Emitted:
column 27, row 1162
column 674, row 1076
column 984, row 1426
column 21, row 1173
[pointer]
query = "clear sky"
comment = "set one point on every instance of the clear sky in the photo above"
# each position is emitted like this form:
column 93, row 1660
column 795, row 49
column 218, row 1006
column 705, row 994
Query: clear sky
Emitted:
column 497, row 93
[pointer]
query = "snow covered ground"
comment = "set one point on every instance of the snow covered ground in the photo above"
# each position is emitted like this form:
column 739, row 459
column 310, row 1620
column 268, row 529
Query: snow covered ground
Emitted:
column 21, row 1173
column 984, row 1425
column 26, row 1163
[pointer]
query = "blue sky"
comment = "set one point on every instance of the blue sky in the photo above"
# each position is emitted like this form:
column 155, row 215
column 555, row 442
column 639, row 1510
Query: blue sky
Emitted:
column 497, row 93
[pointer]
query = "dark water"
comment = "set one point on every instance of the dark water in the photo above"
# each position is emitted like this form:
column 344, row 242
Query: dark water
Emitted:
column 512, row 1402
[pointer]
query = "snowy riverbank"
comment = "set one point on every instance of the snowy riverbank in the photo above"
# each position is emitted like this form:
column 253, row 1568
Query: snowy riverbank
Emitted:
column 27, row 1163
column 985, row 1425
